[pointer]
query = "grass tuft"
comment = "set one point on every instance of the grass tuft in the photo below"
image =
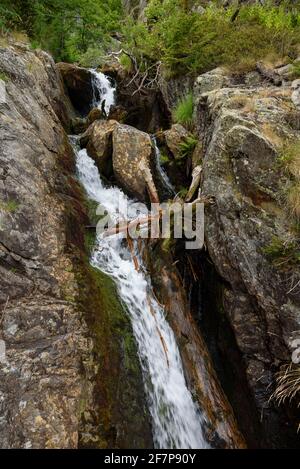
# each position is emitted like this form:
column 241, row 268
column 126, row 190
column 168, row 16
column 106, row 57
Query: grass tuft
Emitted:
column 287, row 384
column 10, row 206
column 183, row 112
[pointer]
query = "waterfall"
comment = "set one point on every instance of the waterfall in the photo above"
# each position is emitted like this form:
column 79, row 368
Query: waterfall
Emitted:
column 103, row 91
column 177, row 423
column 163, row 175
column 176, row 419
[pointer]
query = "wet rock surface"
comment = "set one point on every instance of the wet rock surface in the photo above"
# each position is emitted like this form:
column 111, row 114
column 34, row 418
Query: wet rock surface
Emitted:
column 220, row 426
column 62, row 352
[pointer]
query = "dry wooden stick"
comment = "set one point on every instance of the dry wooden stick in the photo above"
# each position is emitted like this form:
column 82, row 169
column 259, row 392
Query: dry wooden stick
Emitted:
column 196, row 175
column 131, row 248
column 158, row 331
column 146, row 172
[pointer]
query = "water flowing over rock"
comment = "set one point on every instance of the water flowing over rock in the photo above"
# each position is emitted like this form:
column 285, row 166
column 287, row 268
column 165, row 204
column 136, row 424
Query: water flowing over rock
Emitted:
column 66, row 347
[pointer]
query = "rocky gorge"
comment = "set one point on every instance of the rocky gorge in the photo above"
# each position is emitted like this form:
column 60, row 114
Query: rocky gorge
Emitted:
column 70, row 363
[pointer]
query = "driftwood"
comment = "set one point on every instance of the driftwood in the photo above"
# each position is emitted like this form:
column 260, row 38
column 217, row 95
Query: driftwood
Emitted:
column 152, row 191
column 131, row 247
column 196, row 175
column 158, row 331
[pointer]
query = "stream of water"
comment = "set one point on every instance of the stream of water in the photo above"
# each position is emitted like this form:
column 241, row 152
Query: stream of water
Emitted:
column 176, row 420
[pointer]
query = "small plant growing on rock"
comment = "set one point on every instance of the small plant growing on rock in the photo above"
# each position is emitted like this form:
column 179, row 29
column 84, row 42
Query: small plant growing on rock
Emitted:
column 283, row 253
column 183, row 112
column 188, row 146
column 287, row 385
column 290, row 162
column 4, row 77
column 10, row 206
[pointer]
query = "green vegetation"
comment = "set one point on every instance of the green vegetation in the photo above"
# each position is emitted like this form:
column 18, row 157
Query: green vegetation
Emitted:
column 126, row 62
column 72, row 30
column 4, row 77
column 186, row 41
column 296, row 70
column 172, row 32
column 290, row 162
column 183, row 112
column 10, row 206
column 283, row 253
column 188, row 146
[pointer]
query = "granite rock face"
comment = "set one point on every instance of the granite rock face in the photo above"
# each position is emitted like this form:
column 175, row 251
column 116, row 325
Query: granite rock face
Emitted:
column 130, row 148
column 61, row 350
column 44, row 337
column 242, row 131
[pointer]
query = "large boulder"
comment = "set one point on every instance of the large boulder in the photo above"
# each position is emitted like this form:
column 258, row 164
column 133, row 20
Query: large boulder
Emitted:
column 174, row 138
column 130, row 148
column 98, row 140
column 78, row 83
column 243, row 131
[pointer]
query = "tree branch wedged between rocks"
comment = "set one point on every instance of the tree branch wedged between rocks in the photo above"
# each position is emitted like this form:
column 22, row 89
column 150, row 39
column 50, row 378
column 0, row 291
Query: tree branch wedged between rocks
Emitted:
column 143, row 221
column 144, row 77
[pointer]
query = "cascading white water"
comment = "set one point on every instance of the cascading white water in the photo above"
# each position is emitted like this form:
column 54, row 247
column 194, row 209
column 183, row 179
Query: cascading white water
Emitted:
column 160, row 169
column 177, row 422
column 103, row 91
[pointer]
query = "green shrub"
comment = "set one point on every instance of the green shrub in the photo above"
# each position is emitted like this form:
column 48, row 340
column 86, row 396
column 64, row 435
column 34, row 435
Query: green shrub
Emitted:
column 92, row 58
column 183, row 113
column 289, row 161
column 186, row 41
column 125, row 61
column 188, row 146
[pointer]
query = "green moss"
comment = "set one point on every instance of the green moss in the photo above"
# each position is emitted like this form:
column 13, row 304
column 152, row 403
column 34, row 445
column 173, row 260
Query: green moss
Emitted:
column 118, row 416
column 164, row 158
column 118, row 380
column 4, row 77
column 11, row 206
column 283, row 253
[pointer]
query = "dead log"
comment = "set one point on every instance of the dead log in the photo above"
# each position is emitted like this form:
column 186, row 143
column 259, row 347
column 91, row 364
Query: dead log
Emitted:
column 196, row 175
column 152, row 191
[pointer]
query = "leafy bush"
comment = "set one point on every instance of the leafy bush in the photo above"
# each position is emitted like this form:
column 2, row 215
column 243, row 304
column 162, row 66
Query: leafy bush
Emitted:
column 187, row 41
column 183, row 112
column 69, row 29
column 125, row 61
